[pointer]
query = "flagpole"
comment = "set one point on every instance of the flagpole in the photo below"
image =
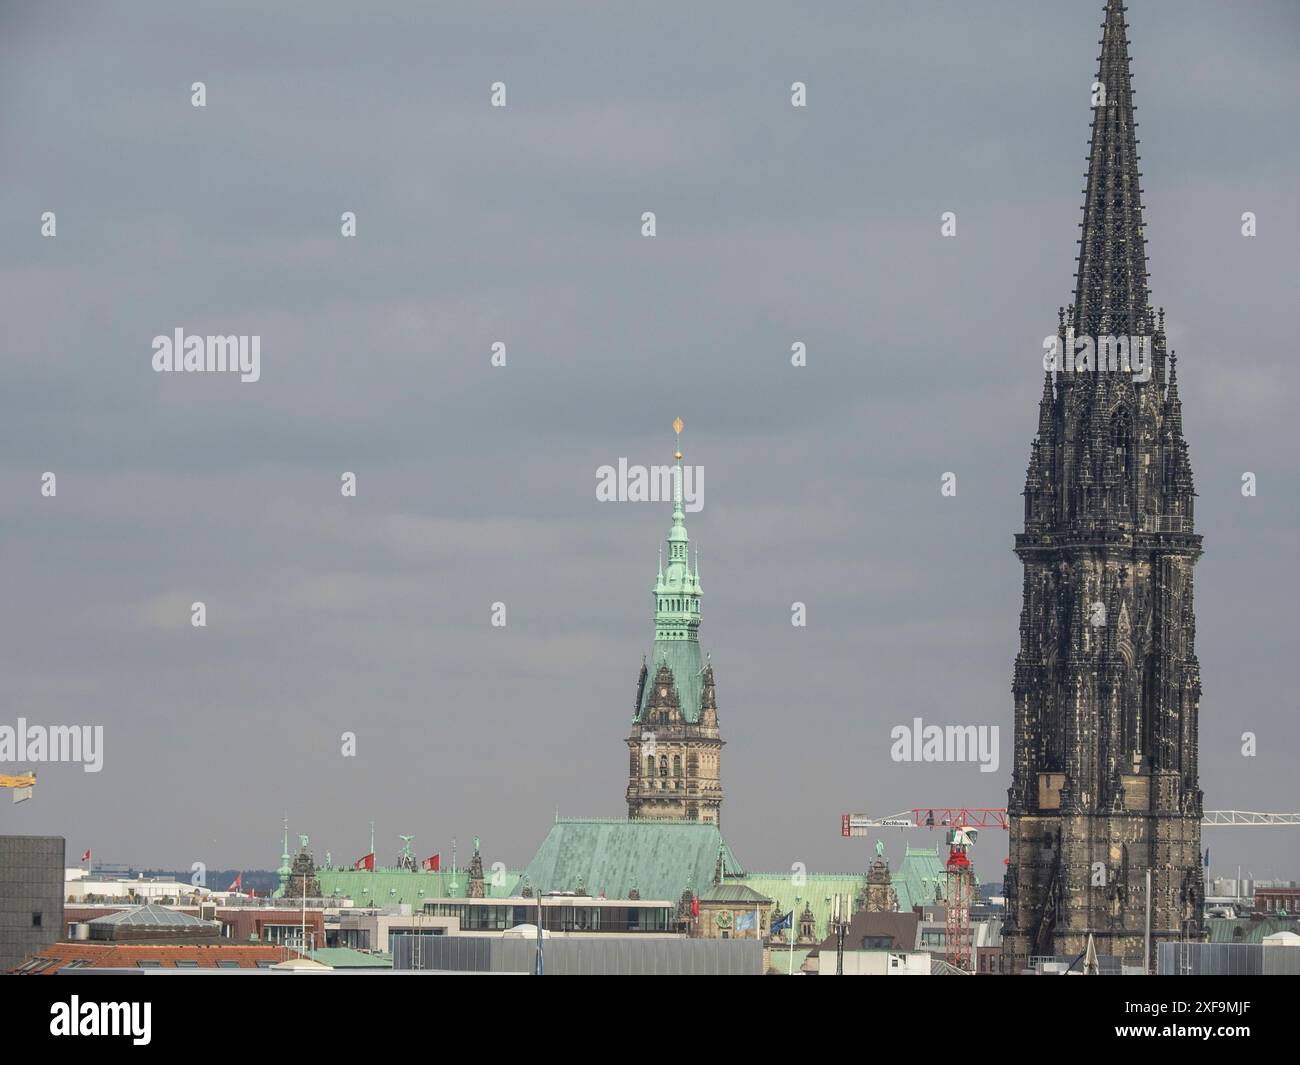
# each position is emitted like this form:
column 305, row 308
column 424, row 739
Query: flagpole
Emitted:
column 541, row 948
column 789, row 931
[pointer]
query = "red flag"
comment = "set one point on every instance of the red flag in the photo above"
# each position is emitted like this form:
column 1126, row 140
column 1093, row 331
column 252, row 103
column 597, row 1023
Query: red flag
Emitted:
column 433, row 864
column 239, row 882
column 367, row 863
column 86, row 857
column 695, row 906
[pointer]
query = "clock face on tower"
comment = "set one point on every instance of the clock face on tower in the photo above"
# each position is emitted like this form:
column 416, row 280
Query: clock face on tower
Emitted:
column 663, row 693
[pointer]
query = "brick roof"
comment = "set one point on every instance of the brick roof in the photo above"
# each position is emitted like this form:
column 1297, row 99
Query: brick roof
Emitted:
column 88, row 955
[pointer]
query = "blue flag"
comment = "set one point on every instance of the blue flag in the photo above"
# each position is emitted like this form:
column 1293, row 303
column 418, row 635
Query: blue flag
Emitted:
column 745, row 921
column 782, row 923
column 1207, row 857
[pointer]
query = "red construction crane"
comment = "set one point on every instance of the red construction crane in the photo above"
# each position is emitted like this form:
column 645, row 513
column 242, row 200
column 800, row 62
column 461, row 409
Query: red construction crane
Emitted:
column 959, row 895
column 927, row 817
column 963, row 824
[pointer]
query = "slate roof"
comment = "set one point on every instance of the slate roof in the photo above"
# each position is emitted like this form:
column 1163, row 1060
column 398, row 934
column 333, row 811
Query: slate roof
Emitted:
column 658, row 858
column 900, row 928
column 733, row 892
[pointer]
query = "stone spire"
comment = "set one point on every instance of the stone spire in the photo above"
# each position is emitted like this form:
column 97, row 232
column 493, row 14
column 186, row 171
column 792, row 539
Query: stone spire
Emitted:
column 302, row 874
column 1107, row 682
column 1111, row 282
column 878, row 895
column 476, row 873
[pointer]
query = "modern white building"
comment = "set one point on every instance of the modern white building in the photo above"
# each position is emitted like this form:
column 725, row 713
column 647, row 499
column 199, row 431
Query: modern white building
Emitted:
column 79, row 886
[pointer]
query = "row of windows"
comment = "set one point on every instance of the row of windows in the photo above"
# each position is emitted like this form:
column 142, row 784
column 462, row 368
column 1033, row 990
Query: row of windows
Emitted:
column 663, row 765
column 677, row 604
column 184, row 963
column 692, row 765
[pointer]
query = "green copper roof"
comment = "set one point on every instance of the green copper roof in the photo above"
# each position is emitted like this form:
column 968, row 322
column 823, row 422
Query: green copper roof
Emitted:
column 918, row 878
column 390, row 887
column 733, row 891
column 677, row 597
column 1246, row 930
column 684, row 659
column 914, row 883
column 658, row 858
column 347, row 958
column 784, row 962
column 817, row 890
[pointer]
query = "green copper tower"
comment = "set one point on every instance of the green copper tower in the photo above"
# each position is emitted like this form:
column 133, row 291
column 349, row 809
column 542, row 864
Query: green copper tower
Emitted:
column 675, row 746
column 286, row 867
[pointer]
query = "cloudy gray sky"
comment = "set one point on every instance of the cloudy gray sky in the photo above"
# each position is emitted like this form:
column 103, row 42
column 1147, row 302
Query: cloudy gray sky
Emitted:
column 477, row 484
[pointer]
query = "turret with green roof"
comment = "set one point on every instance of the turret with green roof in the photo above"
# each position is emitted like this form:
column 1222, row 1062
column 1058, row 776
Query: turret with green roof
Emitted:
column 675, row 745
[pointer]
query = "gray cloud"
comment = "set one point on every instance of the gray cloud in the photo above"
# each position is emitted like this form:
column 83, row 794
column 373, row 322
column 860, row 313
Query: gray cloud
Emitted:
column 477, row 485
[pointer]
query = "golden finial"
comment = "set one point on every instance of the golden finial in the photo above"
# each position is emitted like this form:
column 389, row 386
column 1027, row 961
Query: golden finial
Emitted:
column 677, row 428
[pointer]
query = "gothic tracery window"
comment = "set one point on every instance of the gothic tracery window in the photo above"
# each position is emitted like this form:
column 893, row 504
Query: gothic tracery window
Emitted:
column 1119, row 437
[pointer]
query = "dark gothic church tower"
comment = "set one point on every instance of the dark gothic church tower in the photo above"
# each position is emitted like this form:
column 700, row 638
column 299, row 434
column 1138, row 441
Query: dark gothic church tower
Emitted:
column 1105, row 787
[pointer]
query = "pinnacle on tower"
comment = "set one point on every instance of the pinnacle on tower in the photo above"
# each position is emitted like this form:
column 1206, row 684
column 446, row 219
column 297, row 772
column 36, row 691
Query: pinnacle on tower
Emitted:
column 1111, row 289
